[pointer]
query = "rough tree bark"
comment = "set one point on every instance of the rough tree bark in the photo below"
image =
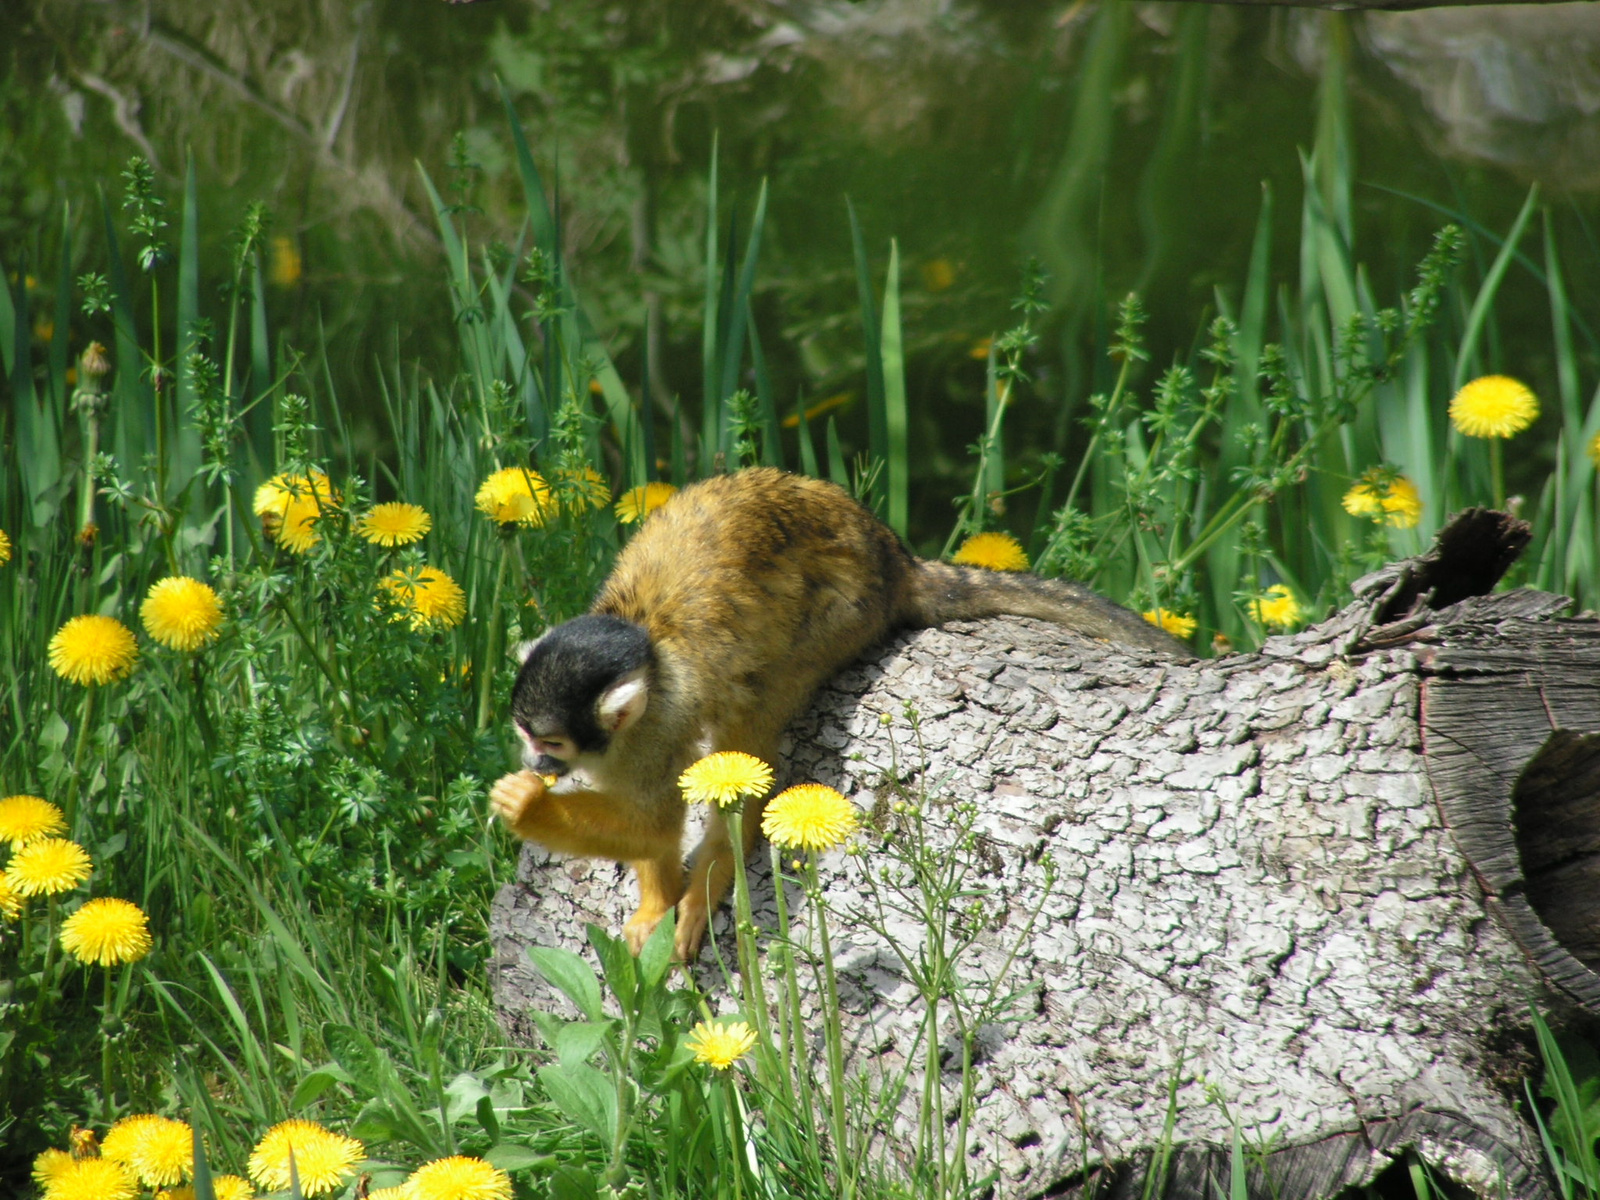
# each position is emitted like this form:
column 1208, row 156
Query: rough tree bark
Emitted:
column 1319, row 886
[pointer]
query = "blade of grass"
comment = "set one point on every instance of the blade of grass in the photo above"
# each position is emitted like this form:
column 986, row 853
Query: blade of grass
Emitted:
column 893, row 365
column 61, row 337
column 711, row 323
column 808, row 450
column 877, row 417
column 771, row 432
column 1570, row 1126
column 733, row 346
column 1483, row 302
column 38, row 438
column 185, row 454
column 838, row 469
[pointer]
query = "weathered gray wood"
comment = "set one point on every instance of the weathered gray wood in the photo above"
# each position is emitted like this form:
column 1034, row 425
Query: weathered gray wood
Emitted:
column 1259, row 890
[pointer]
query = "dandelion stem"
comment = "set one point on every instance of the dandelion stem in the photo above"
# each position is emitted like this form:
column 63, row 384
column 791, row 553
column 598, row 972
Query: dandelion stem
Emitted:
column 789, row 1009
column 105, row 1050
column 751, row 981
column 70, row 805
column 833, row 1035
column 492, row 653
column 47, row 971
column 1497, row 473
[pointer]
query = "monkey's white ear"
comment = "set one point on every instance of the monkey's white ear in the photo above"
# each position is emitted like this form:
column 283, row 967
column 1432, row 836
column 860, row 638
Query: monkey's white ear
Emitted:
column 623, row 702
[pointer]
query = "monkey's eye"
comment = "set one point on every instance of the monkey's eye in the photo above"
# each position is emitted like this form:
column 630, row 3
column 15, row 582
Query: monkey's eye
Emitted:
column 555, row 747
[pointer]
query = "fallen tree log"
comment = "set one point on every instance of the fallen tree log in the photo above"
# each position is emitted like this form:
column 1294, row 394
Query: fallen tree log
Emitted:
column 1315, row 889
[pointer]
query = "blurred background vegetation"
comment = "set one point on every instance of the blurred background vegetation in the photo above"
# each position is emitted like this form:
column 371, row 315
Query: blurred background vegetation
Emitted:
column 1126, row 146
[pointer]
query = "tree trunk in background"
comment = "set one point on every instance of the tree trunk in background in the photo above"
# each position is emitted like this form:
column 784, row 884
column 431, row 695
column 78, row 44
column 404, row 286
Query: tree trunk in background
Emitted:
column 1318, row 886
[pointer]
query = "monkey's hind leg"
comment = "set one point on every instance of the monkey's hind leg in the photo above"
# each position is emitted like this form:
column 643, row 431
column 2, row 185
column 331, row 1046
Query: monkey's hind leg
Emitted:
column 660, row 888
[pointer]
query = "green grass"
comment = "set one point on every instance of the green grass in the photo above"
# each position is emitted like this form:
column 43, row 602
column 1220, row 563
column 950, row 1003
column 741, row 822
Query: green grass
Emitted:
column 298, row 807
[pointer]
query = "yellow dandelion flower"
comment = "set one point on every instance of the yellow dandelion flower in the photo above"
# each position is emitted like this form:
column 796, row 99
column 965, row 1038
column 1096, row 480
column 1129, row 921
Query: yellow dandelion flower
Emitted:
column 93, row 1179
column 980, row 348
column 583, row 488
column 992, row 552
column 290, row 506
column 181, row 613
column 48, row 866
column 10, row 899
column 1277, row 607
column 322, row 1159
column 273, row 496
column 157, row 1150
column 93, row 649
column 808, row 816
column 50, row 1166
column 5, row 548
column 459, row 1178
column 428, row 596
column 1176, row 624
column 177, row 1193
column 725, row 778
column 398, row 1192
column 515, row 494
column 938, row 275
column 26, row 818
column 106, row 932
column 395, row 524
column 284, row 265
column 720, row 1044
column 1494, row 406
column 1383, row 495
column 122, row 1137
column 1594, row 449
column 635, row 504
column 233, row 1187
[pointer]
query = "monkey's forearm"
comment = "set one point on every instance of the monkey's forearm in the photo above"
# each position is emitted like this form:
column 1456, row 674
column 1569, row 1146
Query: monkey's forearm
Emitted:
column 590, row 823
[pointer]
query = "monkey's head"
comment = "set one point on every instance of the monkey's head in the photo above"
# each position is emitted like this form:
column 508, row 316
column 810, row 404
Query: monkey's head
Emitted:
column 580, row 684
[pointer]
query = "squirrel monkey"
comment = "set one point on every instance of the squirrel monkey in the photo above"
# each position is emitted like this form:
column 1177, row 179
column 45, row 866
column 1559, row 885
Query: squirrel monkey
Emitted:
column 732, row 604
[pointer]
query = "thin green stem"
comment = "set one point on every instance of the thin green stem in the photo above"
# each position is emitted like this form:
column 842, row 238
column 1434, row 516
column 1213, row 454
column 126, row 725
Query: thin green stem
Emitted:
column 492, row 652
column 105, row 1050
column 47, row 972
column 70, row 804
column 751, row 980
column 833, row 1035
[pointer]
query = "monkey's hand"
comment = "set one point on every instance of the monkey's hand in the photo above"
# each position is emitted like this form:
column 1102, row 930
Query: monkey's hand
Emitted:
column 515, row 799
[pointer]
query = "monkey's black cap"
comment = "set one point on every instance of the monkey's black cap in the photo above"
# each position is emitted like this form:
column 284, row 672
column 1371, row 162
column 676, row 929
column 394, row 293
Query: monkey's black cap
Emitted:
column 567, row 670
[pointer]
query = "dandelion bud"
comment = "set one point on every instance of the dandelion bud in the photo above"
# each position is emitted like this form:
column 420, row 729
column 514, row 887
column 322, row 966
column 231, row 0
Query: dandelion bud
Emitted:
column 94, row 361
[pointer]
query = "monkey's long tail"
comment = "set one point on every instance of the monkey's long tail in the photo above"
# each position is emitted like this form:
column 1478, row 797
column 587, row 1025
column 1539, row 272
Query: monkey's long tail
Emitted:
column 940, row 592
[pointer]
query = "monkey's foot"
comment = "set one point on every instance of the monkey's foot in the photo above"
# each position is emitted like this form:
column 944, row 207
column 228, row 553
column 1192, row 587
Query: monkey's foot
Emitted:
column 513, row 796
column 639, row 927
column 692, row 920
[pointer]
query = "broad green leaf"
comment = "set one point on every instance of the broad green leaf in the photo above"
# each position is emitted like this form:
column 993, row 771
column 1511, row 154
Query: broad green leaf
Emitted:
column 575, row 979
column 584, row 1095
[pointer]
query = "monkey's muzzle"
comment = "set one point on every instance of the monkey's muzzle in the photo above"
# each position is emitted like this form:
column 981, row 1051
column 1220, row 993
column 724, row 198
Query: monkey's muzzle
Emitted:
column 545, row 765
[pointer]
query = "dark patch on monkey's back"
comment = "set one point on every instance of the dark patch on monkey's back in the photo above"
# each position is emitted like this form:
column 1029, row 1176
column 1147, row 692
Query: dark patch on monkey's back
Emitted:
column 760, row 563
